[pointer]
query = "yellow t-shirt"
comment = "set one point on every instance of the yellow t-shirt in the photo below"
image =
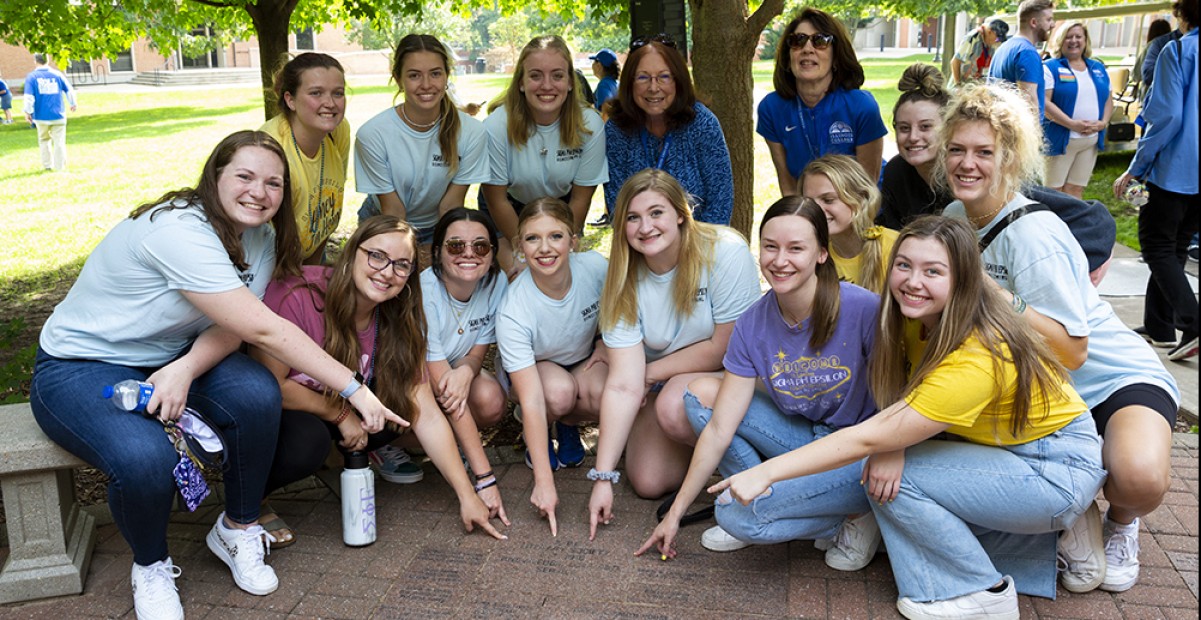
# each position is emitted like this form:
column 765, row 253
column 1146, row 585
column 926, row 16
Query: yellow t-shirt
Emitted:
column 848, row 268
column 317, row 182
column 960, row 392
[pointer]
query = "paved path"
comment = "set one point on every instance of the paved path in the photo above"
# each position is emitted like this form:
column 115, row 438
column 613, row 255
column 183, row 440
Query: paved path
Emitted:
column 423, row 566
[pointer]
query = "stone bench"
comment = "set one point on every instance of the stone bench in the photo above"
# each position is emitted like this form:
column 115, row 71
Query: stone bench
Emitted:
column 50, row 539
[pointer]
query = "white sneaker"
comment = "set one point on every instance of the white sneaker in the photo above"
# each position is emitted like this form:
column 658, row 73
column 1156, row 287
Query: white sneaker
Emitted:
column 717, row 539
column 243, row 552
column 1081, row 553
column 856, row 543
column 1121, row 556
column 155, row 596
column 983, row 604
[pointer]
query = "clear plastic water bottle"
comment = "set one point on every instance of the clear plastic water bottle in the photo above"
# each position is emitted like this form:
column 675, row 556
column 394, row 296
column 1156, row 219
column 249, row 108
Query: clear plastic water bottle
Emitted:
column 130, row 394
column 358, row 501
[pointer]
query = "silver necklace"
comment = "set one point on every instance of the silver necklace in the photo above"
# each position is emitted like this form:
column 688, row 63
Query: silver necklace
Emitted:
column 415, row 125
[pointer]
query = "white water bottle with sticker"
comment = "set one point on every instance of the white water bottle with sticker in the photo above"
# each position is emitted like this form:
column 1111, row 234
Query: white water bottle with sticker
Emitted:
column 358, row 500
column 130, row 394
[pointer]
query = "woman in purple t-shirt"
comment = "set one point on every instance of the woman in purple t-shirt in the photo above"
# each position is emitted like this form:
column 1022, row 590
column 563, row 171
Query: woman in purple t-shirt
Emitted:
column 807, row 340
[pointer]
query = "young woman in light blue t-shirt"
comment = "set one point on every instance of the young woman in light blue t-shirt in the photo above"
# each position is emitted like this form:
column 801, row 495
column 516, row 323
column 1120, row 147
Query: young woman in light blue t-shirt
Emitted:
column 545, row 140
column 545, row 331
column 672, row 293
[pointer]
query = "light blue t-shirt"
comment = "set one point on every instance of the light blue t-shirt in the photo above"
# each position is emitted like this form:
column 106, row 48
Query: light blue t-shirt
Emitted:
column 391, row 156
column 532, row 327
column 724, row 292
column 1038, row 258
column 446, row 317
column 544, row 166
column 127, row 307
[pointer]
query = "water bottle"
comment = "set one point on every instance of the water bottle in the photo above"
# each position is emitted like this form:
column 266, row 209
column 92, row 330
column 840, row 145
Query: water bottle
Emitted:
column 358, row 501
column 130, row 394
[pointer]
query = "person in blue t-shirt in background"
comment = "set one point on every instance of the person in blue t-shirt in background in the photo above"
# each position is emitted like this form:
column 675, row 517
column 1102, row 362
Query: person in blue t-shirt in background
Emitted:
column 818, row 108
column 1018, row 60
column 45, row 89
column 6, row 101
column 606, row 69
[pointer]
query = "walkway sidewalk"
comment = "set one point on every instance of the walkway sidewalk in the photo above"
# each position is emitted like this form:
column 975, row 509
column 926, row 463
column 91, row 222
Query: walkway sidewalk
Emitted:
column 423, row 566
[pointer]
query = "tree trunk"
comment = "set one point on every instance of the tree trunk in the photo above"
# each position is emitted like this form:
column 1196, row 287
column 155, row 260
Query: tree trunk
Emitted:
column 724, row 39
column 271, row 19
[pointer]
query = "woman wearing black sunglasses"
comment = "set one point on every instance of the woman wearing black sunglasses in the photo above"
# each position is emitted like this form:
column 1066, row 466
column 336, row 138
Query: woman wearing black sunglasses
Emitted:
column 655, row 121
column 818, row 108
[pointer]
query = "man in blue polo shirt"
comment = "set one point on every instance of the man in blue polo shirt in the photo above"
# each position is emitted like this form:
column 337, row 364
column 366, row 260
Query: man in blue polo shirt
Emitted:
column 45, row 89
column 1018, row 60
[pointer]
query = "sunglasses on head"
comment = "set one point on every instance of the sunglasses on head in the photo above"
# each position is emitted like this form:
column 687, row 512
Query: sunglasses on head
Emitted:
column 661, row 38
column 455, row 247
column 797, row 40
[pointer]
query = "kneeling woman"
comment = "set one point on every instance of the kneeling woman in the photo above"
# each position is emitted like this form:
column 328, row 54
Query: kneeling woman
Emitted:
column 366, row 311
column 545, row 330
column 167, row 298
column 672, row 292
column 1024, row 457
column 808, row 341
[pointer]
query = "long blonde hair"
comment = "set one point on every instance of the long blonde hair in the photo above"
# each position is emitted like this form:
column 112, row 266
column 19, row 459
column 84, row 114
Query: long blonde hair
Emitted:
column 697, row 240
column 858, row 192
column 448, row 131
column 571, row 116
column 974, row 309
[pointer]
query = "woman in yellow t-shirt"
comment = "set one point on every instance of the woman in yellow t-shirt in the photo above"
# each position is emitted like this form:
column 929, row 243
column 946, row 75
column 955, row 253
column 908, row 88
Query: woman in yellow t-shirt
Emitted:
column 972, row 519
column 312, row 128
column 849, row 197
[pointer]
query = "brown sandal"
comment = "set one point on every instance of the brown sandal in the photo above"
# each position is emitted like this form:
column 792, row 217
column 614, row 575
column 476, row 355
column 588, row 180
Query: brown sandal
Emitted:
column 275, row 525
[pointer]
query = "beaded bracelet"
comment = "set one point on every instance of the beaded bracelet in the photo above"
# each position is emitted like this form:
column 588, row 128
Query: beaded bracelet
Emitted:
column 345, row 413
column 480, row 486
column 484, row 476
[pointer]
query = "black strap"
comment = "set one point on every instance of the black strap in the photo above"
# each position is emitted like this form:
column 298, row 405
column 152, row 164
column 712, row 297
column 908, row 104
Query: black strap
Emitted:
column 1009, row 219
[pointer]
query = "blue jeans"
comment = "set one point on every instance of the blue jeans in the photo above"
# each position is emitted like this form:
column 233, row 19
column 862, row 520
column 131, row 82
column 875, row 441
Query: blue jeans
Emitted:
column 965, row 510
column 798, row 509
column 238, row 395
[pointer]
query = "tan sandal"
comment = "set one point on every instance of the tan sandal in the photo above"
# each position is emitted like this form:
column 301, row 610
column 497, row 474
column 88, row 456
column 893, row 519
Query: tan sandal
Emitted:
column 275, row 525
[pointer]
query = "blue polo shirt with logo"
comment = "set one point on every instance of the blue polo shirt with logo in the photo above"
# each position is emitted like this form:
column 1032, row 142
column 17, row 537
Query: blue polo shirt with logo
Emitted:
column 840, row 122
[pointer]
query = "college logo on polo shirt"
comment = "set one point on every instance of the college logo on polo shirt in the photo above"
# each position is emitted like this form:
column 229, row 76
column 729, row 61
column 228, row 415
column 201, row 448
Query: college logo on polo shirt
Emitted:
column 841, row 133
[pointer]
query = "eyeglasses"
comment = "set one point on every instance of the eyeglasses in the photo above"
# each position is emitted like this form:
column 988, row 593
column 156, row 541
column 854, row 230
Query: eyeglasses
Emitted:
column 644, row 79
column 379, row 261
column 661, row 38
column 797, row 40
column 456, row 247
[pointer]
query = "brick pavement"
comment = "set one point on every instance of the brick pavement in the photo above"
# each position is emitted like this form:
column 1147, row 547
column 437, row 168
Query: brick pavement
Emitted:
column 423, row 566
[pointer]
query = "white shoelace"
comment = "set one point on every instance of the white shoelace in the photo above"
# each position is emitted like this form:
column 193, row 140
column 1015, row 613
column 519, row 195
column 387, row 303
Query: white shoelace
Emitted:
column 158, row 578
column 393, row 455
column 1118, row 548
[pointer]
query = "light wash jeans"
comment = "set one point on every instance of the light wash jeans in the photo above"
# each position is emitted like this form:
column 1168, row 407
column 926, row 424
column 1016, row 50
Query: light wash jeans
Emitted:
column 238, row 395
column 967, row 513
column 802, row 508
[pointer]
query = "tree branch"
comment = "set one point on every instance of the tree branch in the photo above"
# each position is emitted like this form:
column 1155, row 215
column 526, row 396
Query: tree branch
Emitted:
column 764, row 14
column 221, row 5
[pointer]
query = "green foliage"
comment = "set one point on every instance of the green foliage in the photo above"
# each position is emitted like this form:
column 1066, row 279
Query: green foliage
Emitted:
column 437, row 18
column 16, row 372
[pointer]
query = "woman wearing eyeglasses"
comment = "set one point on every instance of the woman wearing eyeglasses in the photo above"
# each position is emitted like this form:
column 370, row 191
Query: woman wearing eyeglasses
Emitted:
column 656, row 122
column 818, row 108
column 416, row 160
column 366, row 313
column 544, row 141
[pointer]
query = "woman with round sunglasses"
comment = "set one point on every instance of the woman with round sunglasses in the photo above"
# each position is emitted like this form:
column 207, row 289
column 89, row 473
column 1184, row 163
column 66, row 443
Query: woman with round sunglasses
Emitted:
column 818, row 107
column 657, row 122
column 416, row 160
column 672, row 293
column 462, row 290
column 310, row 92
column 545, row 140
column 366, row 312
column 546, row 333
